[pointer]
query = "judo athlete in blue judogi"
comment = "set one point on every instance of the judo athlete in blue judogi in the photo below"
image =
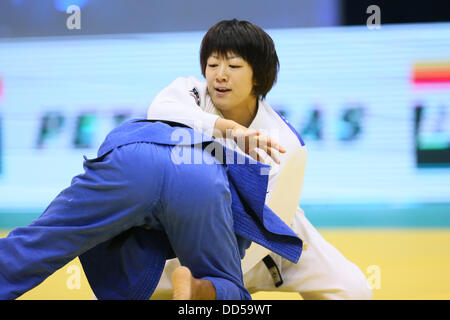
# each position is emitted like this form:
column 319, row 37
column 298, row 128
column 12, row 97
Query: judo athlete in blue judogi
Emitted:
column 134, row 207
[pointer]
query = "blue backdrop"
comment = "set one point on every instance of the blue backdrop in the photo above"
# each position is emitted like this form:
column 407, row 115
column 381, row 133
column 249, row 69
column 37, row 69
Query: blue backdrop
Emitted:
column 376, row 134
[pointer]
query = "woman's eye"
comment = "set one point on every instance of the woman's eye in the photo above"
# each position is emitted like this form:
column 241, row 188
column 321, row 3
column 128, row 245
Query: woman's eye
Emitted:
column 212, row 65
column 235, row 67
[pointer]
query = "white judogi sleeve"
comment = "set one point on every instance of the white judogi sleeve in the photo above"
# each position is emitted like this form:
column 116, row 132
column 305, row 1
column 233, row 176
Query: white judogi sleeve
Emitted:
column 184, row 101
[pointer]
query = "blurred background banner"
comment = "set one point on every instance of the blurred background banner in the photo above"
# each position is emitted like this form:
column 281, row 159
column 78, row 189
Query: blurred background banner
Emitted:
column 371, row 103
column 366, row 83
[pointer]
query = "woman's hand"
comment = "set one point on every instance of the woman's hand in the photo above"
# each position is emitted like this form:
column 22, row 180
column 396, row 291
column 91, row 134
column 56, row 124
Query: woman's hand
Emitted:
column 248, row 140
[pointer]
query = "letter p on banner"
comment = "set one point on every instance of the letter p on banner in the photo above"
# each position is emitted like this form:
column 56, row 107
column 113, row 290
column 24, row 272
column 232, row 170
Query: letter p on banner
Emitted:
column 74, row 20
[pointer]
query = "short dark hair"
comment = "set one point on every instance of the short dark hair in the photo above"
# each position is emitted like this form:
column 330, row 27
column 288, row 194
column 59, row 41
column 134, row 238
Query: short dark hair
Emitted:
column 248, row 41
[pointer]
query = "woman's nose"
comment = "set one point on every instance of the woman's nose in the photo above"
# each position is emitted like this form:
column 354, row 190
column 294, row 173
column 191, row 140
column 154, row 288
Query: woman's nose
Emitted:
column 222, row 73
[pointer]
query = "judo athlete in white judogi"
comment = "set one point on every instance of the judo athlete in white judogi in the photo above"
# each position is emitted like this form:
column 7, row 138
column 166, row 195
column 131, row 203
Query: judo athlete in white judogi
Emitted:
column 240, row 64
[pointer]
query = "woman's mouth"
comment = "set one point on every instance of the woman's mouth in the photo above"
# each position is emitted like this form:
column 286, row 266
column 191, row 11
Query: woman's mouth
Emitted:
column 222, row 91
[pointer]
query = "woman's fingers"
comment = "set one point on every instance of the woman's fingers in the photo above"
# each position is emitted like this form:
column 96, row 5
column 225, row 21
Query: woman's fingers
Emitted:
column 274, row 154
column 255, row 155
column 242, row 133
column 266, row 143
column 249, row 140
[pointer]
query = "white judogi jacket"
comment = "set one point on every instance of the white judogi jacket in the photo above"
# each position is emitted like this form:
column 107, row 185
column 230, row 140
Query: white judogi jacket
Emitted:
column 187, row 101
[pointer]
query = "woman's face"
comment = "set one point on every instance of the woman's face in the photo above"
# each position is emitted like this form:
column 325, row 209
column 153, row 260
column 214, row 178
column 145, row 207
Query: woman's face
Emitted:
column 230, row 82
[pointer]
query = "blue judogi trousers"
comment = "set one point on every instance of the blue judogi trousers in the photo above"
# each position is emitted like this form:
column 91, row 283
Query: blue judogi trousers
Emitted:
column 136, row 205
column 135, row 185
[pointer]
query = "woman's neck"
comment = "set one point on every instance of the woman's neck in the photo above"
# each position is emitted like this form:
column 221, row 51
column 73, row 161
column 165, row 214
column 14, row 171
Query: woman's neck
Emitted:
column 242, row 115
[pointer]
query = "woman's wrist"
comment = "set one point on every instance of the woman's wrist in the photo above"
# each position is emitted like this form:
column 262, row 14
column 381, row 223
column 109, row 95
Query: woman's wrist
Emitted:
column 222, row 125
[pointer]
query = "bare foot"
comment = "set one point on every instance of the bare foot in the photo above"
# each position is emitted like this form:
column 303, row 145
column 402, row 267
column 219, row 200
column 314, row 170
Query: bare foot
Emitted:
column 186, row 287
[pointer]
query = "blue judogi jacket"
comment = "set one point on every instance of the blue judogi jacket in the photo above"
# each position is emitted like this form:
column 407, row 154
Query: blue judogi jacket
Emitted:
column 129, row 266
